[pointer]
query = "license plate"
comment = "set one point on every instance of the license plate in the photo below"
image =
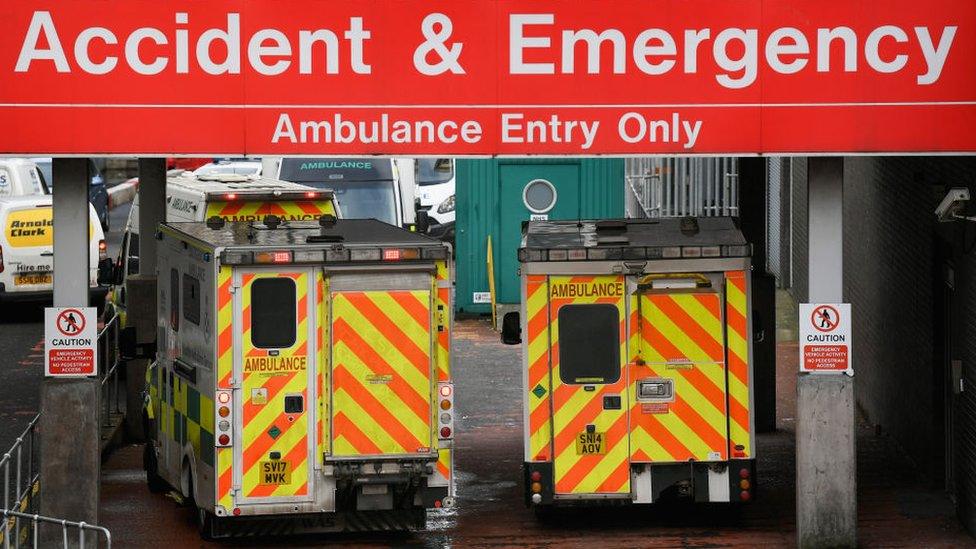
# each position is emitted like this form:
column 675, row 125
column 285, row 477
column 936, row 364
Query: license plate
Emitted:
column 591, row 444
column 275, row 472
column 33, row 278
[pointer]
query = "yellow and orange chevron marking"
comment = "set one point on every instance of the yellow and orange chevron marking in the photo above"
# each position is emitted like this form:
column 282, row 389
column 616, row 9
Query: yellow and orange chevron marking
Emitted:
column 681, row 339
column 266, row 426
column 442, row 286
column 381, row 373
column 737, row 322
column 574, row 407
column 289, row 210
column 225, row 366
column 538, row 390
column 323, row 445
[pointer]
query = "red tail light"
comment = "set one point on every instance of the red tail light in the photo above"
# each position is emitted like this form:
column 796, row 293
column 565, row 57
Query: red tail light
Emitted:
column 102, row 249
column 445, row 432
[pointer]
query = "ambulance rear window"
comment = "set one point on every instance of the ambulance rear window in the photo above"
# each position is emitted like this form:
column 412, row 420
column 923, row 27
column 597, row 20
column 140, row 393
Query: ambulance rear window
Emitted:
column 273, row 316
column 589, row 343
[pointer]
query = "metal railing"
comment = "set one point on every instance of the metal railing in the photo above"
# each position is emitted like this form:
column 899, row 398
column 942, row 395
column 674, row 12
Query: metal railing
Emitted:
column 108, row 370
column 678, row 187
column 19, row 466
column 66, row 525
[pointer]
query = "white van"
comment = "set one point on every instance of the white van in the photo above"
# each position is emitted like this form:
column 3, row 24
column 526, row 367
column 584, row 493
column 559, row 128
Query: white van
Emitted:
column 436, row 183
column 20, row 177
column 365, row 188
column 27, row 249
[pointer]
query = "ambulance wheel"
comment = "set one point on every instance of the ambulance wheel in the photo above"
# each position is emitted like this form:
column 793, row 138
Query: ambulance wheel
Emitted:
column 155, row 482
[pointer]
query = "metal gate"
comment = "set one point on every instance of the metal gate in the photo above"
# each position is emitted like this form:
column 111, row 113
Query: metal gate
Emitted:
column 678, row 187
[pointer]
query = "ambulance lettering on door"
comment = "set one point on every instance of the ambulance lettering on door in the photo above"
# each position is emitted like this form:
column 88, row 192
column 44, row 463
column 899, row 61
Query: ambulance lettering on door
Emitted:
column 825, row 338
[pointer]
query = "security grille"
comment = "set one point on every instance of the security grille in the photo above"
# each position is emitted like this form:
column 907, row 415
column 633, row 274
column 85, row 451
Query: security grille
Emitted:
column 678, row 187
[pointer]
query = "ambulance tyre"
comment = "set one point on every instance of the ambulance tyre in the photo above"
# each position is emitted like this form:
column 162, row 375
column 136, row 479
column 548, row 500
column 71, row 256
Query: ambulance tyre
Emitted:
column 155, row 482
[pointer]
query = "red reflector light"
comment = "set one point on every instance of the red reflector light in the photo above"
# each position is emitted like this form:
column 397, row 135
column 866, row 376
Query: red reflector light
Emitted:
column 745, row 496
column 438, row 504
column 237, row 510
column 391, row 255
column 224, row 440
column 744, row 473
column 445, row 432
column 536, row 476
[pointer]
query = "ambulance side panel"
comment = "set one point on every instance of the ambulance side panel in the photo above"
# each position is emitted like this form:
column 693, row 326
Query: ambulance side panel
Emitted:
column 224, row 324
column 535, row 369
column 742, row 426
column 183, row 375
column 443, row 322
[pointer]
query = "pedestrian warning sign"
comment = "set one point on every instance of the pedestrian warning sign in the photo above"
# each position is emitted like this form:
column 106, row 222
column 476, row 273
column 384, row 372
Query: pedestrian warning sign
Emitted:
column 825, row 338
column 70, row 337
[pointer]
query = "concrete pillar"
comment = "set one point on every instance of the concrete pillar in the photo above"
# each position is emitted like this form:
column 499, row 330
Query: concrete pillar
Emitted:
column 141, row 289
column 826, row 457
column 71, row 270
column 152, row 210
column 69, row 434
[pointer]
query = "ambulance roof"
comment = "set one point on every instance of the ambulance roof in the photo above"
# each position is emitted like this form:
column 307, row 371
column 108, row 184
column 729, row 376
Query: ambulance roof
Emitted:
column 240, row 184
column 623, row 233
column 348, row 232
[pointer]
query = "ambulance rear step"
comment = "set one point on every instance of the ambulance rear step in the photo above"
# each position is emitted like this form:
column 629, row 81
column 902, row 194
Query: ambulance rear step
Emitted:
column 397, row 520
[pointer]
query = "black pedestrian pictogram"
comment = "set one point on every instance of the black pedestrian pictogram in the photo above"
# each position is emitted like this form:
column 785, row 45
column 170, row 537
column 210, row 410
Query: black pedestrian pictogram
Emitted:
column 71, row 322
column 825, row 318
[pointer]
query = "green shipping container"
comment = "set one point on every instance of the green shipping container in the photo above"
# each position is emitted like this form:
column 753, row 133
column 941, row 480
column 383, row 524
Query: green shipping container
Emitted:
column 495, row 196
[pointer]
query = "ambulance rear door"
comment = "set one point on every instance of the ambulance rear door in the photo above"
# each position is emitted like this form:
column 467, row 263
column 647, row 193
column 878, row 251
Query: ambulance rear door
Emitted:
column 382, row 373
column 678, row 374
column 589, row 402
column 274, row 342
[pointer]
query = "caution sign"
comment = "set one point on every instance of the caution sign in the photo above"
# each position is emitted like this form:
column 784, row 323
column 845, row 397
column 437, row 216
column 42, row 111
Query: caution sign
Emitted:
column 70, row 339
column 825, row 338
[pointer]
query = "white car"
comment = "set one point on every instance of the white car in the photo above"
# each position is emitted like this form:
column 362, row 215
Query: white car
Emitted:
column 435, row 193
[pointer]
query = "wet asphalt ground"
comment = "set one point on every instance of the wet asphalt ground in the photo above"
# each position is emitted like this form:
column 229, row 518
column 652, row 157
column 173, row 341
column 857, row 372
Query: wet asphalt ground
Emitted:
column 896, row 508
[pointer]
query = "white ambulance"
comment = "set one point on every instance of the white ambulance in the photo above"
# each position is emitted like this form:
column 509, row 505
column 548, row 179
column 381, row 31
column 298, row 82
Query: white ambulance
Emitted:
column 302, row 381
column 232, row 197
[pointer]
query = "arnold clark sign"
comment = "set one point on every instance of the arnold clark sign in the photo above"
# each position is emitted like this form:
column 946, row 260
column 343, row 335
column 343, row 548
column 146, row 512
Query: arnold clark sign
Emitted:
column 506, row 77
